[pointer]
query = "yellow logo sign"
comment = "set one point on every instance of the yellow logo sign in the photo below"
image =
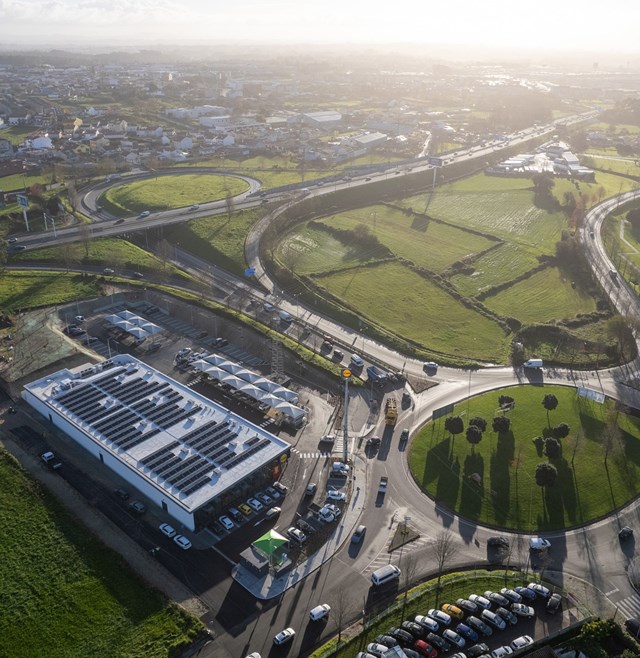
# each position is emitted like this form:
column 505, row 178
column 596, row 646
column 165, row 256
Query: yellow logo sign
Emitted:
column 346, row 373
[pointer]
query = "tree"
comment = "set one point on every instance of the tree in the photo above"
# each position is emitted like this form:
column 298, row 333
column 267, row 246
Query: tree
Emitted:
column 474, row 435
column 618, row 328
column 341, row 604
column 84, row 229
column 479, row 422
column 546, row 474
column 454, row 425
column 444, row 550
column 505, row 400
column 409, row 568
column 501, row 424
column 229, row 204
column 561, row 431
column 552, row 447
column 549, row 402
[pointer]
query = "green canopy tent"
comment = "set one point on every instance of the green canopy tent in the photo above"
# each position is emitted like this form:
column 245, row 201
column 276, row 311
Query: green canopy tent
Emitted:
column 269, row 543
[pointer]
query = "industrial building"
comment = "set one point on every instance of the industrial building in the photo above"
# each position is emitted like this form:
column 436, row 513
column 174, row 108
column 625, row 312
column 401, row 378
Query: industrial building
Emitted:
column 190, row 456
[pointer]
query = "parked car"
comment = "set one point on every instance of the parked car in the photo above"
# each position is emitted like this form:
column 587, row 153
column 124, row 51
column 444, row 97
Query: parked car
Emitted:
column 403, row 636
column 272, row 512
column 454, row 638
column 376, row 649
column 284, row 636
column 438, row 641
column 264, row 498
column 479, row 625
column 284, row 316
column 452, row 611
column 554, row 603
column 467, row 606
column 512, row 595
column 183, row 542
column 310, row 489
column 427, row 622
column 274, row 493
column 332, row 494
column 425, row 649
column 481, row 601
column 467, row 632
column 297, row 535
column 226, row 523
column 167, row 530
column 502, row 651
column 507, row 615
column 51, row 460
column 387, row 640
column 245, row 509
column 255, row 504
column 522, row 610
column 339, row 468
column 540, row 590
column 440, row 616
column 494, row 619
column 477, row 650
column 522, row 641
column 281, row 488
column 496, row 598
column 415, row 629
column 526, row 593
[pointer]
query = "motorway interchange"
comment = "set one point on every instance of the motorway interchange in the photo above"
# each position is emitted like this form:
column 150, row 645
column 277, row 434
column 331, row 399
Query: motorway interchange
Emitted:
column 591, row 555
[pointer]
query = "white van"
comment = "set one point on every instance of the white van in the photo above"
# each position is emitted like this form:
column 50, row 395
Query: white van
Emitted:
column 533, row 363
column 319, row 612
column 385, row 574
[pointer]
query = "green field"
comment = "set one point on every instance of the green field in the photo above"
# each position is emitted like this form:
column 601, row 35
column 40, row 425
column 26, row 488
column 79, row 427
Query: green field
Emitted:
column 501, row 264
column 428, row 244
column 393, row 296
column 217, row 239
column 111, row 252
column 586, row 489
column 29, row 289
column 544, row 296
column 64, row 593
column 166, row 192
column 619, row 165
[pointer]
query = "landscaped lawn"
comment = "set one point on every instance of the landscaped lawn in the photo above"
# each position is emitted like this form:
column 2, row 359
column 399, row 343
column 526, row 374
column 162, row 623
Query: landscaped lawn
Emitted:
column 393, row 296
column 544, row 296
column 29, row 289
column 508, row 496
column 166, row 192
column 64, row 593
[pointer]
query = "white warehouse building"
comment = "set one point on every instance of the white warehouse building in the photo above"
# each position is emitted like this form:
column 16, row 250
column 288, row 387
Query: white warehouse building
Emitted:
column 189, row 455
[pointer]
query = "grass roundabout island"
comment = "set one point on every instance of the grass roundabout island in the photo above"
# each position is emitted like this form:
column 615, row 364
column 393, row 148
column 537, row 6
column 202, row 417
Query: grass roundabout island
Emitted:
column 590, row 453
column 167, row 192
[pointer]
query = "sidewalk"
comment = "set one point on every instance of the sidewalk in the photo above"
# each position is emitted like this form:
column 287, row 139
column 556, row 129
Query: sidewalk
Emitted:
column 269, row 587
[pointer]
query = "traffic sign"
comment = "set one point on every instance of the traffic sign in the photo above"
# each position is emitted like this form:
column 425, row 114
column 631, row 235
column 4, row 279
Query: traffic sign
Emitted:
column 346, row 373
column 442, row 411
column 250, row 271
column 436, row 162
column 22, row 200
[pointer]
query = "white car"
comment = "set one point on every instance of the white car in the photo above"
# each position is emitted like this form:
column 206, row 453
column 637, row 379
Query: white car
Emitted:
column 480, row 601
column 144, row 213
column 255, row 504
column 79, row 319
column 328, row 438
column 284, row 636
column 357, row 360
column 167, row 530
column 226, row 523
column 297, row 535
column 340, row 468
column 522, row 641
column 500, row 652
column 326, row 515
column 428, row 623
column 272, row 512
column 522, row 610
column 284, row 316
column 183, row 542
column 430, row 365
column 268, row 307
column 539, row 544
column 540, row 590
column 454, row 638
column 334, row 509
column 336, row 495
column 108, row 270
column 440, row 616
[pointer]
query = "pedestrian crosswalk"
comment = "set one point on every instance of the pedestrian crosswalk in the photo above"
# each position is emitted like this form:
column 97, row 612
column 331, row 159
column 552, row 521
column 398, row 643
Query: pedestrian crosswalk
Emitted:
column 311, row 455
column 396, row 557
column 630, row 607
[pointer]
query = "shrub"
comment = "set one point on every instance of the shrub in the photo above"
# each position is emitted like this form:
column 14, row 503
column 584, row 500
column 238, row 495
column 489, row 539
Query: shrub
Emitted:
column 538, row 442
column 501, row 424
column 479, row 422
column 561, row 430
column 552, row 448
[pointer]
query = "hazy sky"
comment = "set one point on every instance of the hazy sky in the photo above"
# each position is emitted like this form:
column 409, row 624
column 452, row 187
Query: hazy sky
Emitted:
column 544, row 24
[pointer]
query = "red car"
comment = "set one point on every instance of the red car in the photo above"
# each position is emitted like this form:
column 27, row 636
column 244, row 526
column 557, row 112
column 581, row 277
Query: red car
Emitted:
column 425, row 649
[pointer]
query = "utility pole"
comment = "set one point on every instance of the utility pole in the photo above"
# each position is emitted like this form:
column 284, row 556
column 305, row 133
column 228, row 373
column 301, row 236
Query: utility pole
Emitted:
column 346, row 375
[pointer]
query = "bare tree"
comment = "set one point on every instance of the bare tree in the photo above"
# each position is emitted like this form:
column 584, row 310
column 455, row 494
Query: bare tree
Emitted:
column 409, row 568
column 341, row 606
column 228, row 202
column 444, row 550
column 84, row 229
